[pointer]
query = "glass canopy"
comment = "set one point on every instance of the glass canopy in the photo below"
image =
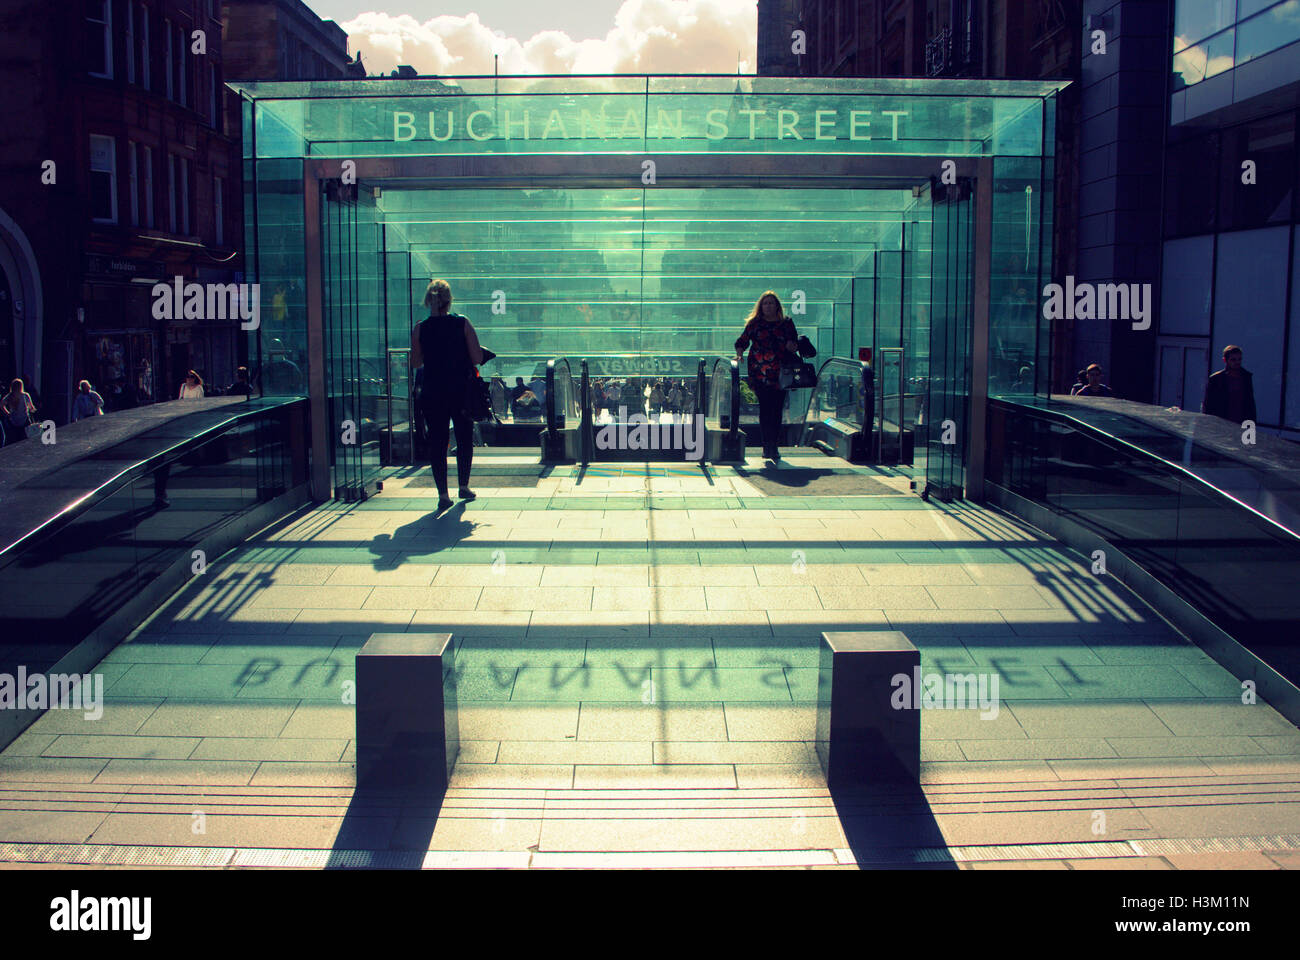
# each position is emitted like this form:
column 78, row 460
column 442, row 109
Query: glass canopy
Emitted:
column 630, row 114
column 642, row 216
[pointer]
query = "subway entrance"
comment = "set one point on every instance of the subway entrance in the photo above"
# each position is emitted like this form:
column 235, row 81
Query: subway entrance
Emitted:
column 611, row 272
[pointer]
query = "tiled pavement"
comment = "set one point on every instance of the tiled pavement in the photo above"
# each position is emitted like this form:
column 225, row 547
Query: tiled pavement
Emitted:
column 637, row 668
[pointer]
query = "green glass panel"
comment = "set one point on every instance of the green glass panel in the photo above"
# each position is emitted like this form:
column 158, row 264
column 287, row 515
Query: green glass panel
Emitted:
column 1269, row 31
column 1015, row 314
column 478, row 116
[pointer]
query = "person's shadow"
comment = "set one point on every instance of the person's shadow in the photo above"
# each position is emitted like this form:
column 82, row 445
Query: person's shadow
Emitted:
column 776, row 475
column 431, row 533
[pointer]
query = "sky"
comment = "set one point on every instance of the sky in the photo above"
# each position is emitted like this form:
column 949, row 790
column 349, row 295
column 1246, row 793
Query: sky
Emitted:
column 459, row 37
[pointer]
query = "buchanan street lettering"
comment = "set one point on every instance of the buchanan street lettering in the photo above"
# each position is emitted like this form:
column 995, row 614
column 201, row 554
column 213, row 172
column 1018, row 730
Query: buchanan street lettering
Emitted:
column 516, row 122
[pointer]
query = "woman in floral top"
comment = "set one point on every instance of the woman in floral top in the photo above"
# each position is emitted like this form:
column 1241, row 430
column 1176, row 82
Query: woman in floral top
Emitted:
column 773, row 342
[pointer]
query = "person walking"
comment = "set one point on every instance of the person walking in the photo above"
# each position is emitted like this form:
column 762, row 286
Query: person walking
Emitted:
column 87, row 404
column 1093, row 387
column 446, row 345
column 773, row 342
column 192, row 388
column 17, row 409
column 1230, row 393
column 241, row 386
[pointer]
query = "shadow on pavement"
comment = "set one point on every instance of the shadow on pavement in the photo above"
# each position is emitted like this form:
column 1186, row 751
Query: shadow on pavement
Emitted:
column 386, row 828
column 432, row 533
column 884, row 824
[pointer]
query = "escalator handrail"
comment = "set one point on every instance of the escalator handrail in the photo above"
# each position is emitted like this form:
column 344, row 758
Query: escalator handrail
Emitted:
column 734, row 406
column 586, row 423
column 552, row 421
column 1132, row 449
column 866, row 378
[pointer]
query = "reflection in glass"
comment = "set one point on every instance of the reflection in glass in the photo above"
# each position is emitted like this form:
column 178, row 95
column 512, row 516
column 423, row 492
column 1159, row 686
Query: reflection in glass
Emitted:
column 1196, row 19
column 1269, row 144
column 1204, row 60
column 1268, row 31
column 1177, row 527
column 65, row 584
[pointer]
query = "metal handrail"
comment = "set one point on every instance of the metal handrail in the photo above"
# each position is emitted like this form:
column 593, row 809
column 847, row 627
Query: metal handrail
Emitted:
column 587, row 427
column 554, row 421
column 1132, row 449
column 867, row 379
column 732, row 421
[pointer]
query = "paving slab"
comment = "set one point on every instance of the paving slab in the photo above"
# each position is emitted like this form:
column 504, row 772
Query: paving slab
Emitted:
column 555, row 776
column 183, row 773
column 653, row 776
column 713, row 834
column 264, row 748
column 197, row 718
column 647, row 723
column 545, row 752
column 1091, row 719
column 304, row 773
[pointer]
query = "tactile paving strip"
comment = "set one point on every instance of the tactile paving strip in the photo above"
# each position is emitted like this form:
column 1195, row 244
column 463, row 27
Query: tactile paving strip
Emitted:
column 141, row 856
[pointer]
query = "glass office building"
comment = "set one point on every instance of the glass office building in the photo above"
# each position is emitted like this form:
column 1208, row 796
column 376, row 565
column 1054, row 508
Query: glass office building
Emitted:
column 634, row 221
column 1231, row 205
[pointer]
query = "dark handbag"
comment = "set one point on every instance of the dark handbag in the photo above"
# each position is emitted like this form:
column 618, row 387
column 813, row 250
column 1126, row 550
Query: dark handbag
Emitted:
column 806, row 349
column 797, row 375
column 478, row 399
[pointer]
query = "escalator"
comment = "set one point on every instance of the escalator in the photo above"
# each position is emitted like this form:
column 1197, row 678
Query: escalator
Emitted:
column 633, row 412
column 840, row 416
column 626, row 409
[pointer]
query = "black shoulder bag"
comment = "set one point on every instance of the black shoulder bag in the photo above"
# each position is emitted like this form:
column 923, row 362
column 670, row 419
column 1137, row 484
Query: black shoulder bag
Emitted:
column 795, row 373
column 478, row 396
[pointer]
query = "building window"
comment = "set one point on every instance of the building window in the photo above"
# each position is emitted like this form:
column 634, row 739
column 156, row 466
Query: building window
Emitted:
column 130, row 42
column 1190, row 186
column 1197, row 19
column 218, row 209
column 145, row 76
column 182, row 66
column 1203, row 60
column 216, row 97
column 148, row 187
column 103, row 179
column 167, row 57
column 185, row 195
column 171, row 192
column 99, row 38
column 133, row 176
column 1268, row 144
column 1265, row 33
column 1250, row 308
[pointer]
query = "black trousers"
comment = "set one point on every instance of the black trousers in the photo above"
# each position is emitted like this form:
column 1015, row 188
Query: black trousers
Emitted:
column 771, row 403
column 439, row 411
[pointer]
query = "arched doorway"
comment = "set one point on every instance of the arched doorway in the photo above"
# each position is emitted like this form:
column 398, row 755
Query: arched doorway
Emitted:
column 21, row 305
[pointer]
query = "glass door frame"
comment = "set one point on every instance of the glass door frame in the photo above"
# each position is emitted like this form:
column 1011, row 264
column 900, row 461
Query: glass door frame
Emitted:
column 757, row 170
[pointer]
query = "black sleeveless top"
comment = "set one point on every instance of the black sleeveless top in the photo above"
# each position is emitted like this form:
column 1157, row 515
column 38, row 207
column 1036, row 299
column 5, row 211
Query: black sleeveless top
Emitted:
column 446, row 357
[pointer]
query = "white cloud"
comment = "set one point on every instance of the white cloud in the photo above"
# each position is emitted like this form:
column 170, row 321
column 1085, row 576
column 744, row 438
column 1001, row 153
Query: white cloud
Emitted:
column 648, row 36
